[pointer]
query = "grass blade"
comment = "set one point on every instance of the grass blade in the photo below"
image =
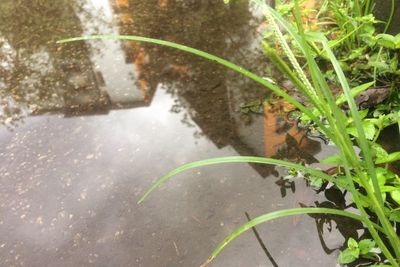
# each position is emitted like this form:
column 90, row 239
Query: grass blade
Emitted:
column 354, row 92
column 277, row 215
column 236, row 159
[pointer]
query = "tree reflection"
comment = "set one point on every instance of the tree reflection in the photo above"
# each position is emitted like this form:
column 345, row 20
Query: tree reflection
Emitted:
column 39, row 76
column 32, row 66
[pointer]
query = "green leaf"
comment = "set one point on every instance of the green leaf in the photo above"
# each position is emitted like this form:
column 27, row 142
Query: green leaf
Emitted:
column 395, row 216
column 368, row 127
column 396, row 196
column 354, row 92
column 387, row 40
column 316, row 182
column 355, row 252
column 333, row 160
column 351, row 253
column 356, row 53
column 379, row 152
column 352, row 244
column 366, row 245
column 346, row 256
column 382, row 175
column 394, row 62
column 364, row 201
column 363, row 113
column 389, row 158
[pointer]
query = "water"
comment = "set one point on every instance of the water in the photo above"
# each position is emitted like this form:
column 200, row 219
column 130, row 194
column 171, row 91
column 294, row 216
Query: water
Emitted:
column 88, row 127
column 382, row 12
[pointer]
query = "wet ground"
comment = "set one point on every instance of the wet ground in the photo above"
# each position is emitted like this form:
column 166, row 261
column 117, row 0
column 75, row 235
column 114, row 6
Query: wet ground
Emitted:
column 88, row 127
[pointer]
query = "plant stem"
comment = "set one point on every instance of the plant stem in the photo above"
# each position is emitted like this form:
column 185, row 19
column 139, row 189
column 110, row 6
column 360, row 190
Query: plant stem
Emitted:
column 389, row 22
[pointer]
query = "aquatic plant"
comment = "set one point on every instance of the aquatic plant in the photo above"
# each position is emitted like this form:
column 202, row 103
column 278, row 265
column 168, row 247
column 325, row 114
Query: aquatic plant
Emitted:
column 374, row 190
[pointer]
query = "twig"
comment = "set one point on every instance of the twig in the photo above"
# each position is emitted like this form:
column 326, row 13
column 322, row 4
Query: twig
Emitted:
column 271, row 259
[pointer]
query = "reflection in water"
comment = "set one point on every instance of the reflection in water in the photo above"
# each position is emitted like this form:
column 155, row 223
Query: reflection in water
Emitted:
column 31, row 76
column 390, row 141
column 82, row 79
column 211, row 96
column 382, row 12
column 39, row 77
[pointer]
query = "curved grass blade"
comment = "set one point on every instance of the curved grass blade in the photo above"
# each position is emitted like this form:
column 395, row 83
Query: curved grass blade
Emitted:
column 210, row 57
column 276, row 215
column 237, row 159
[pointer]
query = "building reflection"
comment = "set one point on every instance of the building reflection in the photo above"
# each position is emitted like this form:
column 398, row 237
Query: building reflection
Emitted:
column 88, row 79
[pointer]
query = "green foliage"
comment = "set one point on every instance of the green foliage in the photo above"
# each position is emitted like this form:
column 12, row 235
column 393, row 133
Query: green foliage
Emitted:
column 365, row 54
column 333, row 160
column 388, row 41
column 364, row 249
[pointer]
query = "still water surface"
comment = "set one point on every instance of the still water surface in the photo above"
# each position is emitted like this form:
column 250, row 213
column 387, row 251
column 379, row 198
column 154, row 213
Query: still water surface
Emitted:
column 88, row 127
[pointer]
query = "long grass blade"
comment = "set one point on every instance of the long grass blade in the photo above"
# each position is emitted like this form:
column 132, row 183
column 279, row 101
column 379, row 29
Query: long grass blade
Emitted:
column 237, row 159
column 357, row 121
column 277, row 215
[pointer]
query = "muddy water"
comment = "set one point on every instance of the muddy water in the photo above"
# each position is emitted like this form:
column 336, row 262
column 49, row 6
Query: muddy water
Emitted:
column 88, row 127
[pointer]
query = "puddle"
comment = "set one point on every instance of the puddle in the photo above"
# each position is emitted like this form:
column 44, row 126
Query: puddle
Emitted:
column 88, row 127
column 383, row 9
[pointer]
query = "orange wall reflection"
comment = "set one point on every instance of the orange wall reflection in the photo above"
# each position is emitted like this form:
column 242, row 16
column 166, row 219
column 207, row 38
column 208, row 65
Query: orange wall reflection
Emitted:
column 277, row 126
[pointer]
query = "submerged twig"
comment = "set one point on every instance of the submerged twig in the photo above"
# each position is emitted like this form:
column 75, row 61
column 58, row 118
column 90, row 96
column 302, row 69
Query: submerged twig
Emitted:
column 261, row 242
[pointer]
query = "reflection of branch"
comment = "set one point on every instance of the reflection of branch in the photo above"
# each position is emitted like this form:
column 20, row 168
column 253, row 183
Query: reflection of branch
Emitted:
column 262, row 243
column 321, row 238
column 272, row 3
column 239, row 51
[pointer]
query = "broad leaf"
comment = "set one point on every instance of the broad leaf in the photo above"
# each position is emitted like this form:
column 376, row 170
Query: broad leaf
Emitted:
column 396, row 196
column 346, row 256
column 333, row 160
column 366, row 245
column 368, row 127
column 389, row 158
column 387, row 40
